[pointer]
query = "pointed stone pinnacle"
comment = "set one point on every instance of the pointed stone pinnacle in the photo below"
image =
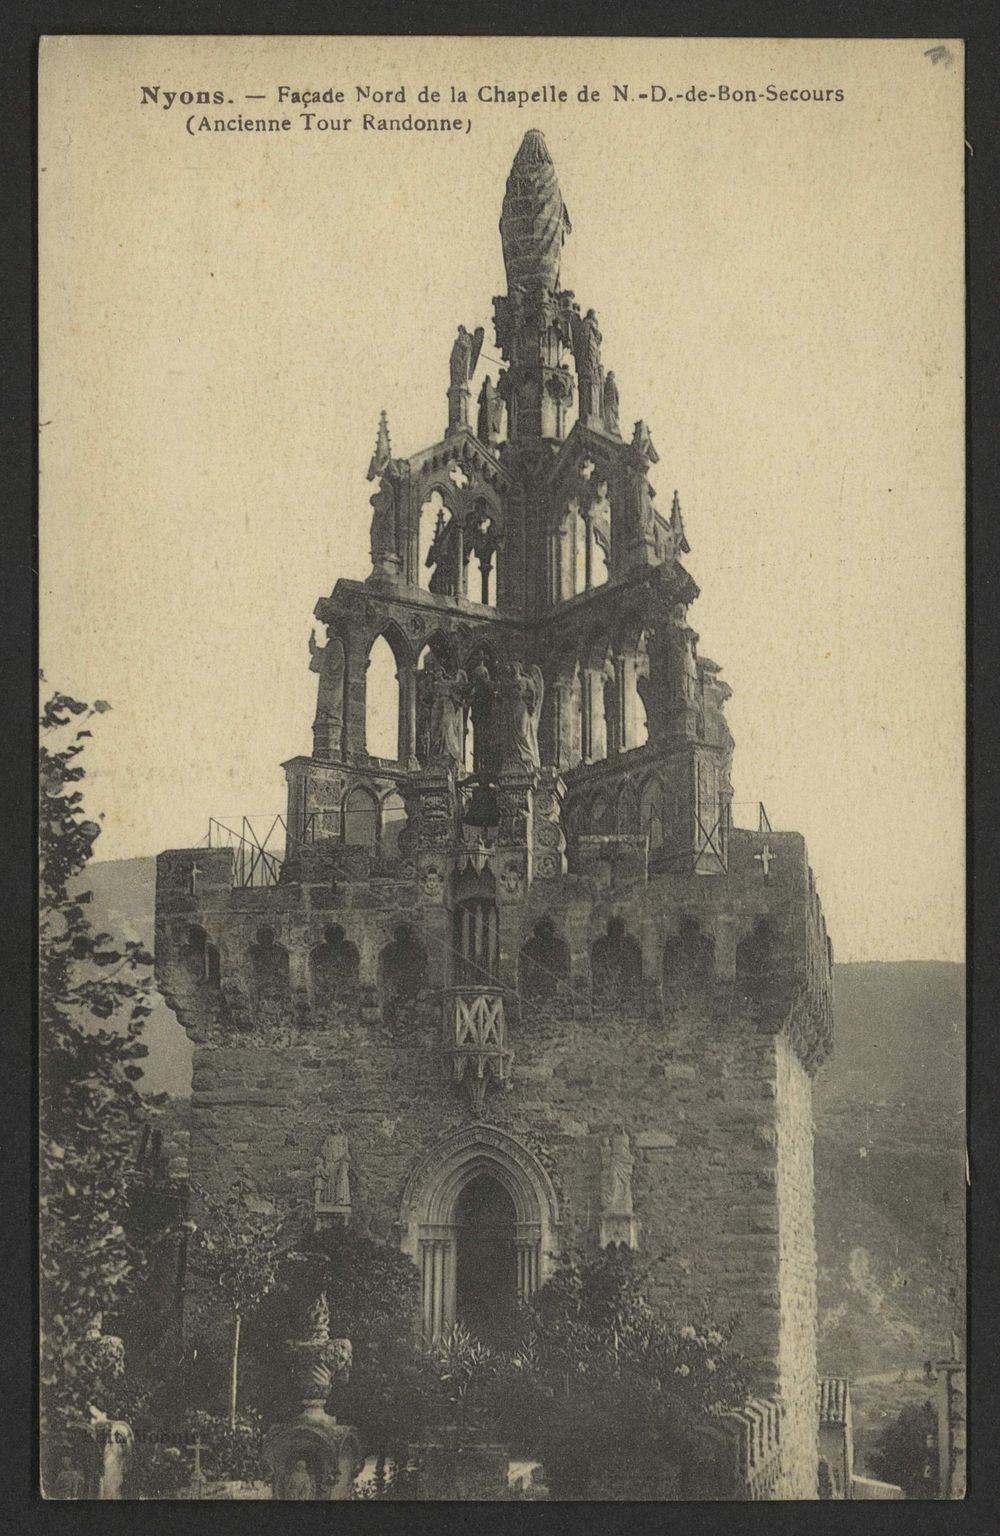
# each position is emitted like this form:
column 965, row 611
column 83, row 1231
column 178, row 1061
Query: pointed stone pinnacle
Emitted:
column 382, row 456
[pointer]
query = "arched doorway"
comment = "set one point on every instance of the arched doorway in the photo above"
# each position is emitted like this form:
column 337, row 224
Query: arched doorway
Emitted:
column 486, row 1252
column 478, row 1191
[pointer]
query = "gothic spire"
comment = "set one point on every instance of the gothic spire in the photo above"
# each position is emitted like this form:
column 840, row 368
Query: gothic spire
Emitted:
column 677, row 527
column 382, row 457
column 534, row 221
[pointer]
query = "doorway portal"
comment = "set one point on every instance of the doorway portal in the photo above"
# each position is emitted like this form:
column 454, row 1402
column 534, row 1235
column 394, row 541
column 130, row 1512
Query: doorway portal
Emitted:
column 477, row 1198
column 486, row 1282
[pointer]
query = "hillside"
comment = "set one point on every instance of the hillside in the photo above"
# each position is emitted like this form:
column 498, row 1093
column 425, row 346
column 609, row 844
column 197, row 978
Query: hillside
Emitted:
column 889, row 1143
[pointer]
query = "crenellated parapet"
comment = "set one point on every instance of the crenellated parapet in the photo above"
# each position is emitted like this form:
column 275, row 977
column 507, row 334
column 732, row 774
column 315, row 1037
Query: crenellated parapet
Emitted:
column 748, row 948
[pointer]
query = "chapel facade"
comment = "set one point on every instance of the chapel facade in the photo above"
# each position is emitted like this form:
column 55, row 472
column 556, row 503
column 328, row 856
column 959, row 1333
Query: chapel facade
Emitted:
column 519, row 986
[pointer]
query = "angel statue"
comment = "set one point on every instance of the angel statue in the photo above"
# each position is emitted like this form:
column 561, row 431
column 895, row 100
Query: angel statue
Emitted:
column 465, row 355
column 447, row 722
column 525, row 691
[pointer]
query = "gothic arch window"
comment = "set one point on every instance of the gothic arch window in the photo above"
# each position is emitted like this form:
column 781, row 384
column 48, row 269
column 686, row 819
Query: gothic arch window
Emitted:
column 579, row 538
column 444, row 550
column 611, row 701
column 382, row 701
column 433, row 515
column 392, row 823
column 543, row 965
column 599, row 815
column 402, row 975
column 628, row 811
column 637, row 711
column 755, row 962
column 476, row 943
column 333, row 966
column 482, row 741
column 615, row 966
column 599, row 521
column 361, row 819
column 651, row 814
column 269, row 971
column 201, row 958
column 600, row 560
column 482, row 545
column 688, row 963
column 434, row 654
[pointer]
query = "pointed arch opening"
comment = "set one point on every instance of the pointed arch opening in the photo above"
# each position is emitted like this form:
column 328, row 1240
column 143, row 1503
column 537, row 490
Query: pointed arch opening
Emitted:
column 402, row 976
column 201, row 957
column 382, row 696
column 392, row 824
column 616, row 966
column 361, row 818
column 270, row 976
column 688, row 964
column 543, row 964
column 485, row 1186
column 333, row 968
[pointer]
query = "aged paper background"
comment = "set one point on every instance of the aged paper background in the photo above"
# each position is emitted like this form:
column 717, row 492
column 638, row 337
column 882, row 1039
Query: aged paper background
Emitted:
column 780, row 289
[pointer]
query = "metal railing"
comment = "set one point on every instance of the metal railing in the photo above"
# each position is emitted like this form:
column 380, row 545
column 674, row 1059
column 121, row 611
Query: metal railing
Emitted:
column 259, row 844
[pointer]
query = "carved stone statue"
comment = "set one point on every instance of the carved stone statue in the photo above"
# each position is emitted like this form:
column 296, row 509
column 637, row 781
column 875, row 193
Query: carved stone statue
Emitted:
column 683, row 661
column 465, row 356
column 427, row 676
column 447, row 718
column 332, row 1176
column 524, row 693
column 587, row 351
column 299, row 1482
column 383, row 527
column 610, row 402
column 617, row 1163
column 489, row 423
column 328, row 661
column 483, row 693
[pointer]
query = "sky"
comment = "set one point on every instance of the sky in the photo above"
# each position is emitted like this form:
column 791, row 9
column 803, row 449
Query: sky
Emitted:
column 780, row 292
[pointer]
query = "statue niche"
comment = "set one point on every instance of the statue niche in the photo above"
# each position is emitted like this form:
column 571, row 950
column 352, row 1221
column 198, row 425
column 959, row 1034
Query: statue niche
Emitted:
column 523, row 692
column 489, row 423
column 448, row 699
column 332, row 1181
column 618, row 1223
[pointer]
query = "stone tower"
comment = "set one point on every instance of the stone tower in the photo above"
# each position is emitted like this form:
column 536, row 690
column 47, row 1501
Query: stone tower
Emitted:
column 521, row 986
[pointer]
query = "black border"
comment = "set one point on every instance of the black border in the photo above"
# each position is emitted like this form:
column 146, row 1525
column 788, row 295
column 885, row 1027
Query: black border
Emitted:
column 978, row 22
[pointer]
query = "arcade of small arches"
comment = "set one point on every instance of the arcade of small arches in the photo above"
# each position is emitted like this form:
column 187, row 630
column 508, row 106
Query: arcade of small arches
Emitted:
column 460, row 538
column 596, row 698
column 334, row 969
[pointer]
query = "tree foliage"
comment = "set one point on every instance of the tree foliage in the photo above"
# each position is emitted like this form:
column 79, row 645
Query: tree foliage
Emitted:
column 236, row 1252
column 608, row 1390
column 94, row 999
column 906, row 1452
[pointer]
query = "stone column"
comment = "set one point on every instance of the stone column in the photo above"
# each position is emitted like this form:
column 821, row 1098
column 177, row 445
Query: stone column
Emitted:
column 407, row 746
column 458, row 407
column 527, row 1267
column 438, row 1284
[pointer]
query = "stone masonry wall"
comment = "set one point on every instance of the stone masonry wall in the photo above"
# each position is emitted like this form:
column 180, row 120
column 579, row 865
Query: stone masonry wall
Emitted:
column 703, row 1076
column 797, row 1272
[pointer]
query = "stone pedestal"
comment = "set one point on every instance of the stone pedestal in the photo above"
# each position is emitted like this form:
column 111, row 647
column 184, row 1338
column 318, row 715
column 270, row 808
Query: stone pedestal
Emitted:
column 312, row 1456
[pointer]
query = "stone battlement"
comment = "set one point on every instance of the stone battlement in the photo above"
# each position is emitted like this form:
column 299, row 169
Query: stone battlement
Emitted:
column 752, row 946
